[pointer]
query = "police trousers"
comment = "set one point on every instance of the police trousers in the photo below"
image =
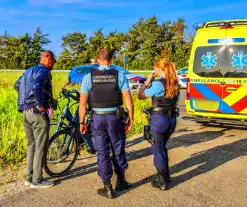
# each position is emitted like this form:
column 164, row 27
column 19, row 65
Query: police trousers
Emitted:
column 109, row 133
column 165, row 126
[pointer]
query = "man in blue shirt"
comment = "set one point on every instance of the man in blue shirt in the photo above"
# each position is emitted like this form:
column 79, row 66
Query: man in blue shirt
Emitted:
column 34, row 97
column 104, row 88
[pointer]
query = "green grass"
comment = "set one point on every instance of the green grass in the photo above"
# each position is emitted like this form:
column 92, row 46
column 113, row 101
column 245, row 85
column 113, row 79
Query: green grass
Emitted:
column 12, row 135
column 144, row 73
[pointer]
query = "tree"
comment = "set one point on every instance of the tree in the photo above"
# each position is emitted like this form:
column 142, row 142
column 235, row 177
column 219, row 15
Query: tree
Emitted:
column 145, row 42
column 21, row 52
column 148, row 40
column 74, row 52
column 116, row 41
column 181, row 47
column 38, row 42
column 79, row 50
column 75, row 43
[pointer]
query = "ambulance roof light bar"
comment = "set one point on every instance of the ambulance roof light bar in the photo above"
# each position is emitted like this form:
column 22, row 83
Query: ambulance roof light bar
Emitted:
column 221, row 24
column 226, row 25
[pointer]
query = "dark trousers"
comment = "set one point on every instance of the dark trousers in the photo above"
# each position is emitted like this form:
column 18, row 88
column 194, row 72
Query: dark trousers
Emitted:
column 37, row 132
column 160, row 123
column 108, row 132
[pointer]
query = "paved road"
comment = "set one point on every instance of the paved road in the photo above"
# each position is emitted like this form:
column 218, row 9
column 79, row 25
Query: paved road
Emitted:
column 208, row 166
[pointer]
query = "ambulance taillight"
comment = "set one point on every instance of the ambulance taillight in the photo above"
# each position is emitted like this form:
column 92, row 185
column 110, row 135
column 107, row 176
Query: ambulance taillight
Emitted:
column 188, row 89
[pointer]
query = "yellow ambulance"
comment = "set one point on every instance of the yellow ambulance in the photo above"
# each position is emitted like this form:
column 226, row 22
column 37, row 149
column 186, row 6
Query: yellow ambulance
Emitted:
column 217, row 73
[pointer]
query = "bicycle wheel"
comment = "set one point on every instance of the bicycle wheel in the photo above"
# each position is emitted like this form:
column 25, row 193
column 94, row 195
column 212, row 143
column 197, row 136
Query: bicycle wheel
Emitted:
column 53, row 127
column 61, row 154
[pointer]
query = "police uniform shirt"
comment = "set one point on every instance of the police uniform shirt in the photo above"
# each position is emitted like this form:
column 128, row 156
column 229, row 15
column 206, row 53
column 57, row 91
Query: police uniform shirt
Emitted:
column 86, row 85
column 156, row 89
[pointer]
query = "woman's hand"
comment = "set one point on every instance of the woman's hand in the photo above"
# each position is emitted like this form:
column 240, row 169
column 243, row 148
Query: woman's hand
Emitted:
column 150, row 77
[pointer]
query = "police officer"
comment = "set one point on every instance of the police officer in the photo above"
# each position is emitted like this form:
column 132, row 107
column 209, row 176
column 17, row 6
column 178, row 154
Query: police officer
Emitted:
column 34, row 98
column 104, row 88
column 164, row 93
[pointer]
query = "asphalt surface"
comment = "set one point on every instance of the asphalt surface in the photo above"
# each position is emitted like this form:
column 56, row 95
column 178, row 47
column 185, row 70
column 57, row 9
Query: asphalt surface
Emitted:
column 208, row 166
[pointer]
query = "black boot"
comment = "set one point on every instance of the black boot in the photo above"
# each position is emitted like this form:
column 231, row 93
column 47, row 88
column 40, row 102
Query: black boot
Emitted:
column 107, row 191
column 161, row 181
column 167, row 167
column 168, row 176
column 122, row 184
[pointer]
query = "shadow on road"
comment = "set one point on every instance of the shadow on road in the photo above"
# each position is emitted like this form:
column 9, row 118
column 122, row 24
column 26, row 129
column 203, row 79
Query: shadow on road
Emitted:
column 92, row 167
column 187, row 140
column 204, row 161
column 208, row 160
column 134, row 142
column 184, row 140
column 141, row 139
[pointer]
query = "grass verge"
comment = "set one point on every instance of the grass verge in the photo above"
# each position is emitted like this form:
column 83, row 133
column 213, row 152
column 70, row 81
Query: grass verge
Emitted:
column 12, row 135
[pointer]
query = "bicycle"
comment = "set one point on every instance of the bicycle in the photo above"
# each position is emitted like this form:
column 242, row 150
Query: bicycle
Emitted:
column 64, row 145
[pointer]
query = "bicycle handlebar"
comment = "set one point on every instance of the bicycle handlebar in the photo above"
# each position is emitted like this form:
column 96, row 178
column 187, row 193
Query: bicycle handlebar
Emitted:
column 69, row 94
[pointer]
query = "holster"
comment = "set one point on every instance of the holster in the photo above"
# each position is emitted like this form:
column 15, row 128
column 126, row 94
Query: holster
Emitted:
column 123, row 115
column 150, row 136
column 147, row 134
column 89, row 114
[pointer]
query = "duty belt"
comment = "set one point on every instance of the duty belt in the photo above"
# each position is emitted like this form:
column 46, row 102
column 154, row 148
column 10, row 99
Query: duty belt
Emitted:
column 163, row 109
column 169, row 111
column 104, row 112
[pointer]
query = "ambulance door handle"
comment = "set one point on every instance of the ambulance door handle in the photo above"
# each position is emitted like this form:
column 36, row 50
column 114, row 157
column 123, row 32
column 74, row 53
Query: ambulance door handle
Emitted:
column 230, row 89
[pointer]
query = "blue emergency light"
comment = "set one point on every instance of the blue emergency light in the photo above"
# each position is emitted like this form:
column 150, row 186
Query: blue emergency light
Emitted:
column 225, row 40
column 199, row 25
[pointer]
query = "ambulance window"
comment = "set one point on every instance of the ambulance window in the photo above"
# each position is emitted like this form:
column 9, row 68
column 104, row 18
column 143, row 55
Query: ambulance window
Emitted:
column 237, row 61
column 209, row 61
column 220, row 60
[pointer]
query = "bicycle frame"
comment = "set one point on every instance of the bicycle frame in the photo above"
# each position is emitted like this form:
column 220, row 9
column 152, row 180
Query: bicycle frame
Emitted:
column 71, row 140
column 74, row 127
column 66, row 114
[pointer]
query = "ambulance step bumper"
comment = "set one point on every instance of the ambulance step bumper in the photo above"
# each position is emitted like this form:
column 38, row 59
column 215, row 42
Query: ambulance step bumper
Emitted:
column 216, row 121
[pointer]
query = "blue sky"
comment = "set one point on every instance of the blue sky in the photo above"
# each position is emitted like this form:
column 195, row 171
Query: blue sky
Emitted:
column 59, row 17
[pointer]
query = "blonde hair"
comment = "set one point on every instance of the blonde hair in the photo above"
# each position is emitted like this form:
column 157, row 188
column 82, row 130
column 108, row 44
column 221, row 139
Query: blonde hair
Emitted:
column 168, row 70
